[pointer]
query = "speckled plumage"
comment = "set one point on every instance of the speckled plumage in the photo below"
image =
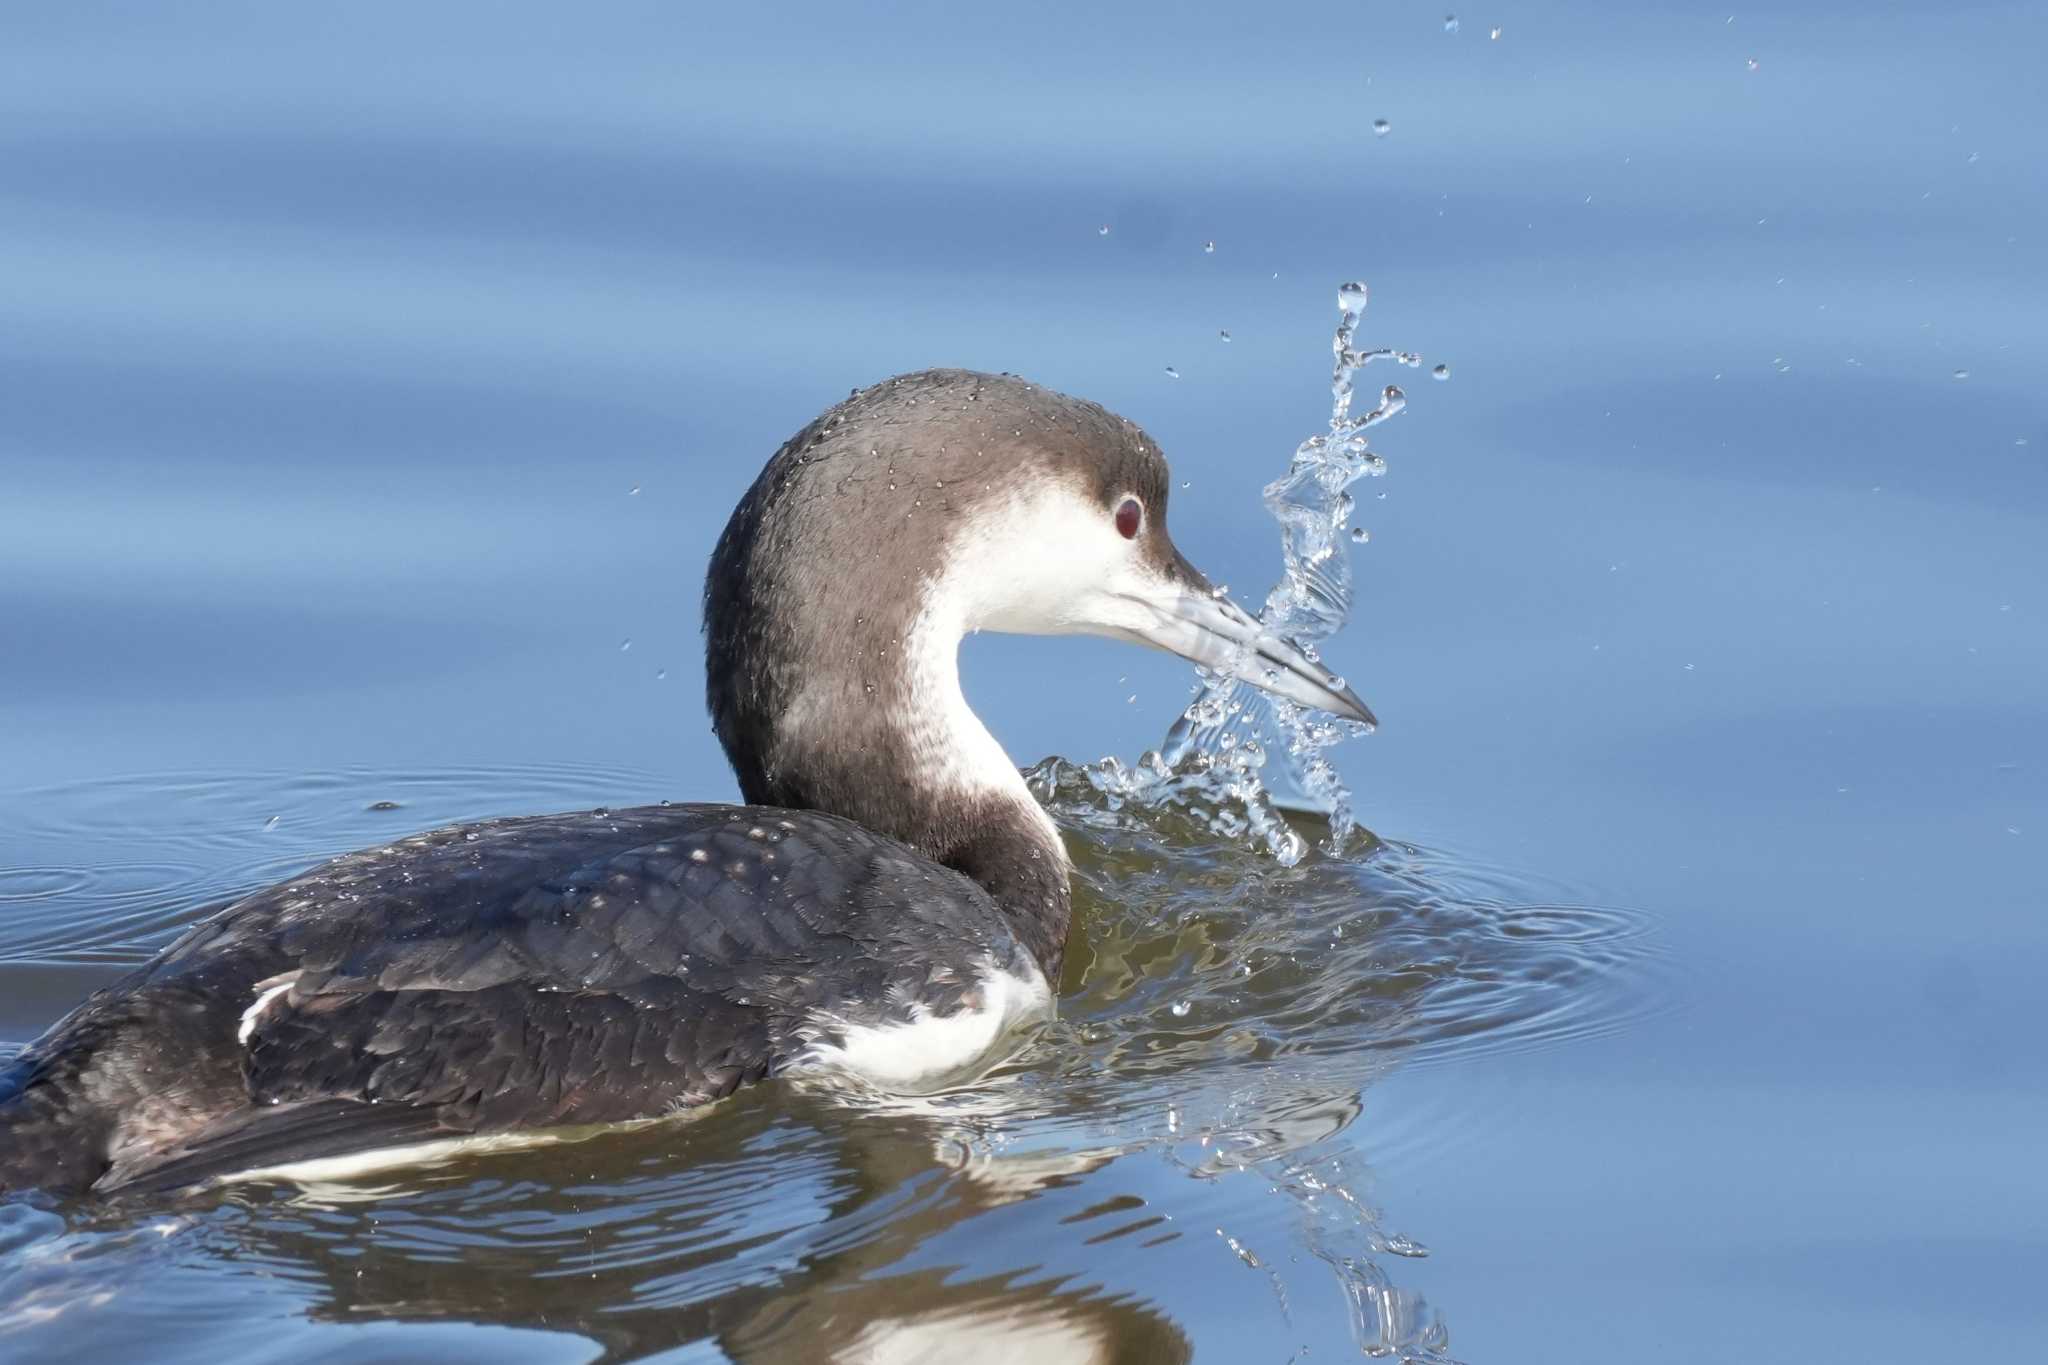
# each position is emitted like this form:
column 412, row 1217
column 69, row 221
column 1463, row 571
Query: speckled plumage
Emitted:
column 518, row 973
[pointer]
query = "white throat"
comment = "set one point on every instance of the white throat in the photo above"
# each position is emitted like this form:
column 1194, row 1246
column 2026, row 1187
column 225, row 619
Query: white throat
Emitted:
column 948, row 742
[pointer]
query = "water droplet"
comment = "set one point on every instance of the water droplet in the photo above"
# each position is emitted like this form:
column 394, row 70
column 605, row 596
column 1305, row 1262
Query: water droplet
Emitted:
column 1208, row 743
column 1360, row 535
column 1209, row 248
column 1450, row 23
column 1181, row 1008
column 1380, row 127
column 1441, row 372
column 1172, row 373
column 1102, row 231
column 1224, row 334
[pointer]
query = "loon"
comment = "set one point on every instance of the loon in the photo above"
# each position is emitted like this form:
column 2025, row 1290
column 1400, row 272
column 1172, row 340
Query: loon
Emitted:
column 890, row 905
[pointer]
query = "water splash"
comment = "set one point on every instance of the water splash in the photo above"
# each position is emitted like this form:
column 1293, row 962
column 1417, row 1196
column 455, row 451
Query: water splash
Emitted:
column 1212, row 760
column 1216, row 794
column 1227, row 1019
column 1231, row 1015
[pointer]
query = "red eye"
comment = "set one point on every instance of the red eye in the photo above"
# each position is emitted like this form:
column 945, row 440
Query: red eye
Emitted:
column 1128, row 515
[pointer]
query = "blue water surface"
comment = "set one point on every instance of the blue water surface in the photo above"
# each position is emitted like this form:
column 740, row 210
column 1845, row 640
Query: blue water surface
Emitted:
column 375, row 379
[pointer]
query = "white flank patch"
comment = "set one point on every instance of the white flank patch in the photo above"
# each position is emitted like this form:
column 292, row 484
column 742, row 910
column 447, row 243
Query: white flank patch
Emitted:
column 264, row 996
column 378, row 1160
column 930, row 1051
column 333, row 1179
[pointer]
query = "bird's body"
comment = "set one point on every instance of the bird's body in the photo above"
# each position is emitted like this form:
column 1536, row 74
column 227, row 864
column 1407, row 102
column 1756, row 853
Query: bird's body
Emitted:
column 893, row 907
column 528, row 973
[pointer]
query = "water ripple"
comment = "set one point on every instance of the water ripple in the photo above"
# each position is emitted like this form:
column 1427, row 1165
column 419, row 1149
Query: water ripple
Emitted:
column 213, row 836
column 1223, row 1019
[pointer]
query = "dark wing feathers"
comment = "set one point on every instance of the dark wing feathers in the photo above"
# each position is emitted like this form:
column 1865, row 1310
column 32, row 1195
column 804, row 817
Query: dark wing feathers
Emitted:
column 571, row 969
column 505, row 1057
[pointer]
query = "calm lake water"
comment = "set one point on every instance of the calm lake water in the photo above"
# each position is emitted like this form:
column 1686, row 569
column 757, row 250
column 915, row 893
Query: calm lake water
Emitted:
column 373, row 383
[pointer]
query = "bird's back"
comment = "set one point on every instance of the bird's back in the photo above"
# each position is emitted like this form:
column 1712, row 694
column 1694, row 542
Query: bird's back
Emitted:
column 511, row 974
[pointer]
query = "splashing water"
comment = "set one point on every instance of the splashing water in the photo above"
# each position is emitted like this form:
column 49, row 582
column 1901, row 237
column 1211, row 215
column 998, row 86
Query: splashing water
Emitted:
column 1211, row 764
column 1313, row 599
column 1222, row 1019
